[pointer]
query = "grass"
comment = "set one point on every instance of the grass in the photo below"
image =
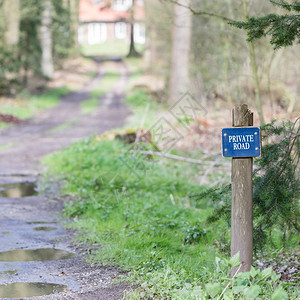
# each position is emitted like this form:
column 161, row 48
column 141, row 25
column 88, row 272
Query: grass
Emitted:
column 144, row 221
column 145, row 110
column 62, row 126
column 88, row 106
column 26, row 105
column 136, row 70
column 7, row 146
column 140, row 214
column 107, row 83
column 3, row 125
column 109, row 48
column 137, row 208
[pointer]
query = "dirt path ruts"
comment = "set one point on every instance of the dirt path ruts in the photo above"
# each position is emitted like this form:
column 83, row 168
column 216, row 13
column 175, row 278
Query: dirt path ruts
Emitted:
column 39, row 136
column 25, row 145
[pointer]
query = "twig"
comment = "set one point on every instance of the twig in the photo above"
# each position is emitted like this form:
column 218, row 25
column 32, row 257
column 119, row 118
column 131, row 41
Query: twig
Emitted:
column 287, row 5
column 172, row 199
column 208, row 170
column 177, row 157
column 226, row 287
column 200, row 12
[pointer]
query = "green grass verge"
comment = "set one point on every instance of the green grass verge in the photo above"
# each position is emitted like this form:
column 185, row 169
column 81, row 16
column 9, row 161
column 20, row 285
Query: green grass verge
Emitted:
column 88, row 106
column 135, row 67
column 144, row 220
column 3, row 125
column 26, row 105
column 145, row 110
column 107, row 83
column 138, row 211
column 109, row 48
column 7, row 146
column 62, row 126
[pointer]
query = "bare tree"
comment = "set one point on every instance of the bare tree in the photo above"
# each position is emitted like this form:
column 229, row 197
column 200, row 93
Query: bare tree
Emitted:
column 186, row 4
column 46, row 40
column 73, row 6
column 159, row 31
column 12, row 21
column 132, row 50
column 254, row 68
column 181, row 37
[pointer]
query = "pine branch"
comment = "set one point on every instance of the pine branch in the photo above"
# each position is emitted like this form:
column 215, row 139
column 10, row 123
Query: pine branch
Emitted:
column 295, row 6
column 276, row 185
column 283, row 29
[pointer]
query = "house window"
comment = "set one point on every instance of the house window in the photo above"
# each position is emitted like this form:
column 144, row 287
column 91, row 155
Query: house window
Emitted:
column 98, row 2
column 139, row 33
column 96, row 33
column 120, row 30
column 121, row 5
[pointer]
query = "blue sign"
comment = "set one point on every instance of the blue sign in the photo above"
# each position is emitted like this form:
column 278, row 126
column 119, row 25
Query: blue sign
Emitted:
column 241, row 142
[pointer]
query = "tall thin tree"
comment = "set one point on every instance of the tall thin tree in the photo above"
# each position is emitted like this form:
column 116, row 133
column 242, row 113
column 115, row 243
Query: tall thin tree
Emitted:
column 46, row 40
column 12, row 21
column 181, row 37
column 132, row 50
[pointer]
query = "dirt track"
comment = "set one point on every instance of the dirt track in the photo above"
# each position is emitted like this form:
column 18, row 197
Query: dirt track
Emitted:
column 21, row 148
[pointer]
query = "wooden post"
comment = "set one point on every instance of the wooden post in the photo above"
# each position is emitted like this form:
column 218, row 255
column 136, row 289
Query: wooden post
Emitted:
column 241, row 206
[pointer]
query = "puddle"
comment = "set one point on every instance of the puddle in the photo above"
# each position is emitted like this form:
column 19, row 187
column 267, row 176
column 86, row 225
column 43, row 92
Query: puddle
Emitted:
column 30, row 289
column 44, row 228
column 13, row 272
column 40, row 222
column 43, row 254
column 18, row 190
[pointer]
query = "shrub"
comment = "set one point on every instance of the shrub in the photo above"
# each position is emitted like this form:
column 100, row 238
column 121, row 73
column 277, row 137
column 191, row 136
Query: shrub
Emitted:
column 276, row 186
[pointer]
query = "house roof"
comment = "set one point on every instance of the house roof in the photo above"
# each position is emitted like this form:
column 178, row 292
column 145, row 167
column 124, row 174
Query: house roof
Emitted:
column 89, row 12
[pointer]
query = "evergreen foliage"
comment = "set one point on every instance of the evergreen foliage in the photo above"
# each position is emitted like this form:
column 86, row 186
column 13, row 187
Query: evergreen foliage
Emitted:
column 276, row 186
column 277, row 182
column 283, row 29
column 63, row 31
column 29, row 50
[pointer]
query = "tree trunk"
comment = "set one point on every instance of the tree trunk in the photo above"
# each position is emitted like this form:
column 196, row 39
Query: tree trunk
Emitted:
column 151, row 53
column 179, row 77
column 74, row 12
column 12, row 21
column 132, row 50
column 46, row 40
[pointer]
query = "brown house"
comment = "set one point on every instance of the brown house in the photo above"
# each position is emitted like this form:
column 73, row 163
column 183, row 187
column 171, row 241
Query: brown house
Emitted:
column 102, row 20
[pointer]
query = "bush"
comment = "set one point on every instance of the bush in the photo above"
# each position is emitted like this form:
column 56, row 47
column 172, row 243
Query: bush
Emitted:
column 170, row 284
column 276, row 186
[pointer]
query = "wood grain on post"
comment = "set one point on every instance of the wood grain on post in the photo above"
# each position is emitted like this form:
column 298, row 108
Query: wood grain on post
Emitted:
column 241, row 206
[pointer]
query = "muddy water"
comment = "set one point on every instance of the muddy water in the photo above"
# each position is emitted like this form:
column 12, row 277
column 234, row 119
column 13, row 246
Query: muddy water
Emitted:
column 18, row 190
column 43, row 254
column 44, row 228
column 29, row 289
column 40, row 222
column 10, row 272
